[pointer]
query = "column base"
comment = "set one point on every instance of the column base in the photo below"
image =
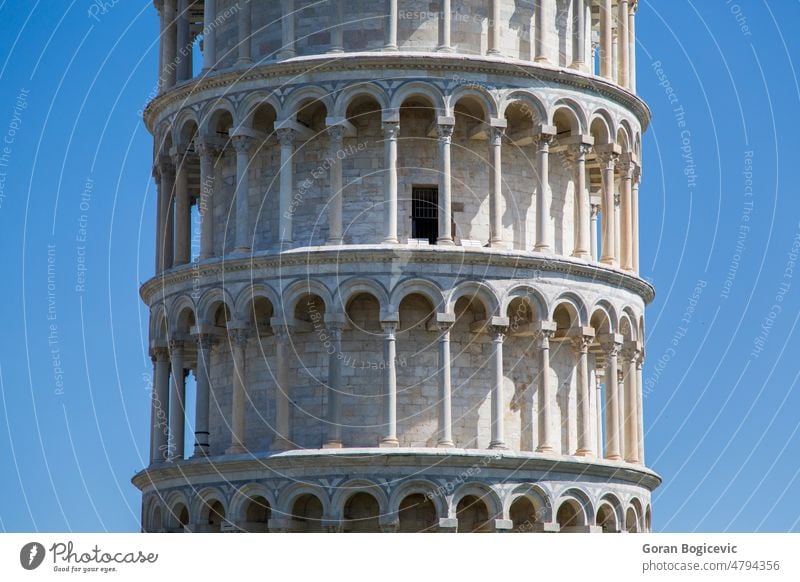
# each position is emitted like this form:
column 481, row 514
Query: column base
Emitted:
column 498, row 244
column 498, row 445
column 613, row 458
column 446, row 444
column 336, row 50
column 632, row 461
column 391, row 48
column 389, row 443
column 493, row 52
column 332, row 445
column 610, row 261
column 243, row 62
column 541, row 59
column 584, row 453
column 444, row 49
column 242, row 250
column 581, row 255
column 545, row 449
column 389, row 241
column 236, row 449
column 284, row 55
column 445, row 242
column 544, row 249
column 577, row 65
column 334, row 242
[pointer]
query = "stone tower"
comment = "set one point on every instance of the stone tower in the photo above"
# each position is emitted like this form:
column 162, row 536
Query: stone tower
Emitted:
column 396, row 282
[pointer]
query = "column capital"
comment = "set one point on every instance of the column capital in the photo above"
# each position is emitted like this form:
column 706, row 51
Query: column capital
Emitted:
column 391, row 129
column 498, row 332
column 281, row 328
column 164, row 165
column 637, row 173
column 594, row 208
column 611, row 343
column 243, row 143
column 444, row 131
column 286, row 136
column 444, row 321
column 625, row 165
column 205, row 340
column 496, row 133
column 206, row 147
column 607, row 154
column 581, row 339
column 159, row 351
column 336, row 133
column 630, row 350
column 617, row 199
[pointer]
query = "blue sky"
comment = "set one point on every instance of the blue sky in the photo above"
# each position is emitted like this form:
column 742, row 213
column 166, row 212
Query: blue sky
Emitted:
column 720, row 221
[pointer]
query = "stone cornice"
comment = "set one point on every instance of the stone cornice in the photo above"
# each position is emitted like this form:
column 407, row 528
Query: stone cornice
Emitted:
column 214, row 269
column 346, row 458
column 446, row 63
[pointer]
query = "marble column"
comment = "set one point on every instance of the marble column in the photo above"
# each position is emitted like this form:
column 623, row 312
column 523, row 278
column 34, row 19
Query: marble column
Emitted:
column 391, row 131
column 637, row 177
column 337, row 33
column 577, row 155
column 598, row 401
column 639, row 406
column 579, row 34
column 445, row 387
column 612, row 444
column 445, row 132
column 389, row 385
column 595, row 208
column 207, row 153
column 632, row 46
column 623, row 42
column 169, row 41
column 160, row 410
column 630, row 421
column 183, row 215
column 203, row 381
column 287, row 50
column 626, row 212
column 494, row 26
column 334, row 409
column 607, row 158
column 391, row 41
column 209, row 35
column 498, row 398
column 238, row 341
column 606, row 40
column 243, row 145
column 617, row 228
column 167, row 234
column 283, row 412
column 184, row 43
column 286, row 137
column 445, row 23
column 243, row 27
column 176, row 404
column 496, row 190
column 336, row 133
column 546, row 402
column 160, row 211
column 580, row 345
column 542, row 36
column 543, row 197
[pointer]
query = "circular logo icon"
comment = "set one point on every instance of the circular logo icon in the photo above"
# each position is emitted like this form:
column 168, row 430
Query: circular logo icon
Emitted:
column 31, row 555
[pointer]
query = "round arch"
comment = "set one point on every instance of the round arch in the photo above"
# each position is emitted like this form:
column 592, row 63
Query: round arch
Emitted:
column 487, row 295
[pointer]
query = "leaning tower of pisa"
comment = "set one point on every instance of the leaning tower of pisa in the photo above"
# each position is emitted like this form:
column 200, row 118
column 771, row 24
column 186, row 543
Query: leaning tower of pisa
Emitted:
column 396, row 281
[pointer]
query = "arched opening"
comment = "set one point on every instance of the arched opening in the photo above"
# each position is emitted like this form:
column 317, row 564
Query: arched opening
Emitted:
column 648, row 525
column 363, row 154
column 257, row 514
column 362, row 357
column 570, row 516
column 179, row 519
column 361, row 514
column 156, row 522
column 470, row 189
column 266, row 165
column 418, row 183
column 418, row 394
column 606, row 519
column 472, row 515
column 417, row 514
column 187, row 397
column 631, row 522
column 470, row 351
column 213, row 517
column 524, row 515
column 521, row 173
column 307, row 513
column 564, row 378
